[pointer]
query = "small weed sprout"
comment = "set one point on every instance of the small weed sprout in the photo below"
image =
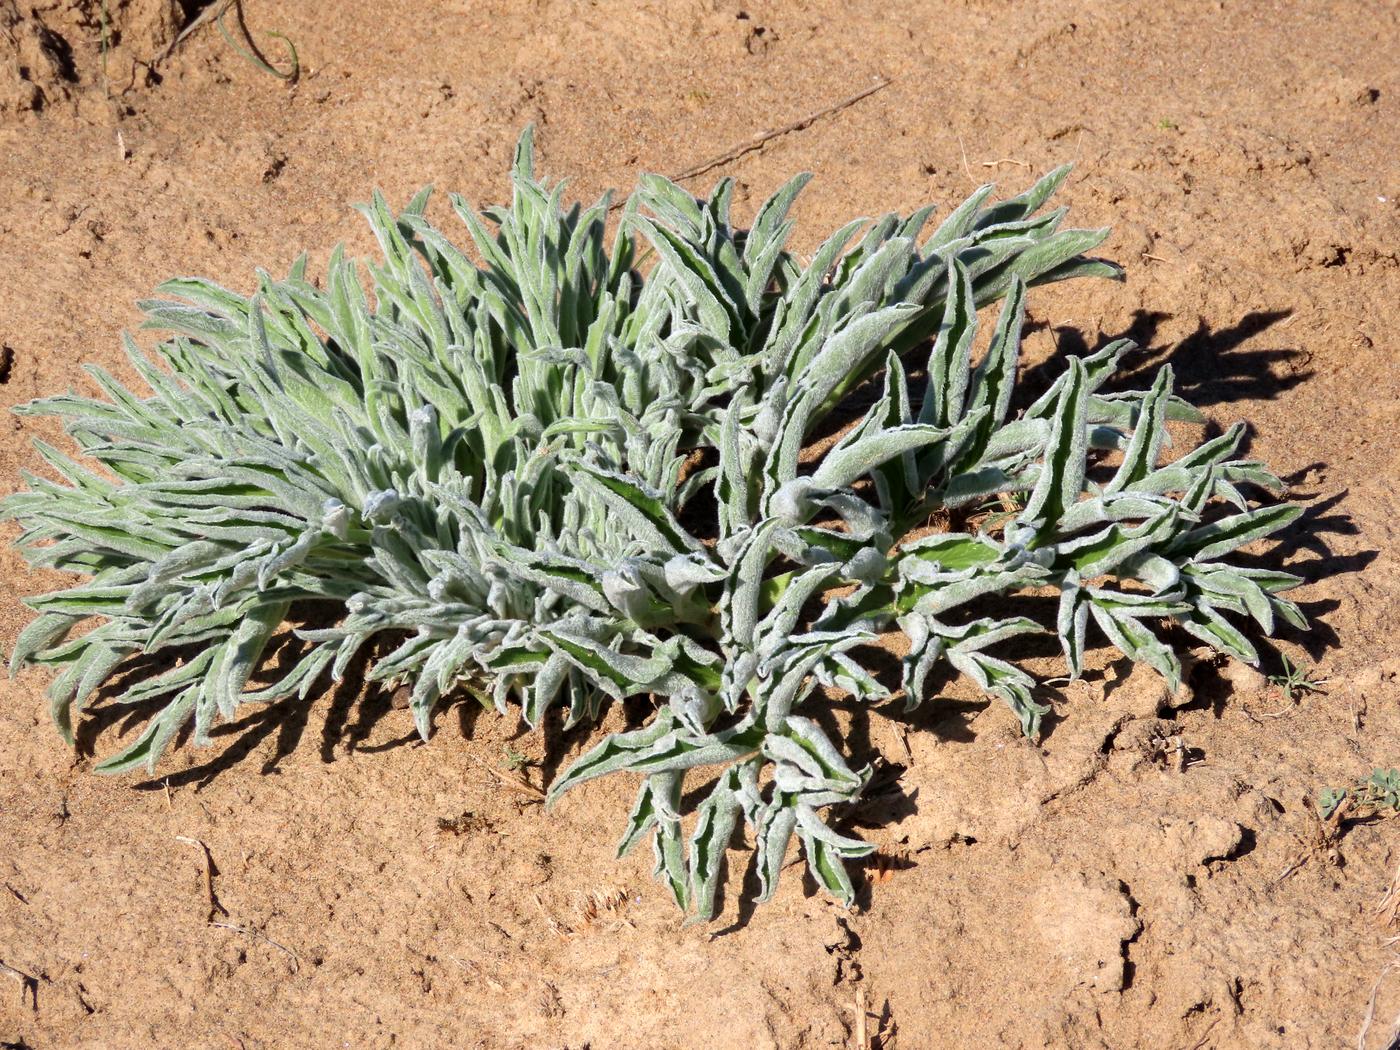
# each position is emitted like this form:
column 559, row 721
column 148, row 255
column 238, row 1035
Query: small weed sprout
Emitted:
column 559, row 476
column 1377, row 794
column 1294, row 681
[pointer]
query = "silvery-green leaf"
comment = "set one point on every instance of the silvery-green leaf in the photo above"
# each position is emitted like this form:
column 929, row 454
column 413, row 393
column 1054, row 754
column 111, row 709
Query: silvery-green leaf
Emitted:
column 1230, row 533
column 825, row 850
column 1010, row 683
column 1205, row 623
column 618, row 673
column 643, row 512
column 776, row 628
column 773, row 832
column 839, row 356
column 245, row 648
column 953, row 552
column 669, row 849
column 950, row 358
column 151, row 744
column 650, row 799
column 1122, row 623
column 1107, row 550
column 714, row 826
column 1071, row 622
column 1063, row 477
column 844, row 467
column 42, row 632
column 961, row 221
column 1140, row 458
column 695, row 276
column 1025, row 204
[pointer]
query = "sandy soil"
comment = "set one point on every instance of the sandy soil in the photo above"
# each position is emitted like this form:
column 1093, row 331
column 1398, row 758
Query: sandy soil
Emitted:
column 375, row 892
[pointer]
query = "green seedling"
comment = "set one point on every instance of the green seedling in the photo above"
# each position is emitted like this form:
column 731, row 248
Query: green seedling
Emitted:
column 1378, row 794
column 1294, row 681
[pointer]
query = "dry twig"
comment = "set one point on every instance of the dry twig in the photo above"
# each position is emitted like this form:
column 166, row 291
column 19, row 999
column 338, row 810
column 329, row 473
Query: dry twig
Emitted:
column 763, row 137
column 1371, row 1009
column 206, row 16
column 249, row 931
column 215, row 907
column 1388, row 910
column 1202, row 1041
column 554, row 924
column 516, row 783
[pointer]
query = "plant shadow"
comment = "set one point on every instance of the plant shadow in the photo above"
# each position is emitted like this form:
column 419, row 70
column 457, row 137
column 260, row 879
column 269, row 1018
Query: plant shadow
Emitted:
column 1211, row 365
column 356, row 708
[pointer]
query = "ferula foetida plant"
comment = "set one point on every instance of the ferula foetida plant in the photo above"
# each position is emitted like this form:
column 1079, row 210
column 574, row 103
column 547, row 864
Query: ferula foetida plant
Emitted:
column 582, row 467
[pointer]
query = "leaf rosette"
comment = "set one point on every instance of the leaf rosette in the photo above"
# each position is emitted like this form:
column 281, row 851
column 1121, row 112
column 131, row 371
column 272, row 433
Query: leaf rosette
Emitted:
column 576, row 467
